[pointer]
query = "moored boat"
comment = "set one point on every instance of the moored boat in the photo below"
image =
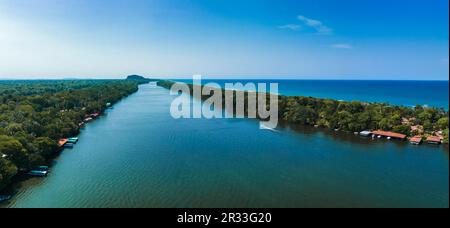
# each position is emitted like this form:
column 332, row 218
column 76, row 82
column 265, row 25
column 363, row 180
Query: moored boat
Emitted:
column 43, row 168
column 38, row 173
column 365, row 133
column 4, row 198
column 69, row 145
column 72, row 140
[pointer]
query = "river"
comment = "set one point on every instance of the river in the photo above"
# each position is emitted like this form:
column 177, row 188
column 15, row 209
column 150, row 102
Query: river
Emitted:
column 137, row 155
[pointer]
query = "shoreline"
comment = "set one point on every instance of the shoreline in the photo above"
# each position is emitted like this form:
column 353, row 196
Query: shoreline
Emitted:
column 425, row 135
column 301, row 87
column 21, row 176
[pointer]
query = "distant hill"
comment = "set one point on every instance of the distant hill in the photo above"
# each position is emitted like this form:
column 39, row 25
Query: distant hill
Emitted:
column 138, row 78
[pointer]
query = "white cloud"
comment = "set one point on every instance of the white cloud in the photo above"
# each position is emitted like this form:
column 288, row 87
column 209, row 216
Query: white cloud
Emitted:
column 342, row 46
column 293, row 27
column 316, row 25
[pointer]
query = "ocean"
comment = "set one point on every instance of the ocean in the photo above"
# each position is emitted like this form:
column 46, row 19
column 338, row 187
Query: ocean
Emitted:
column 405, row 93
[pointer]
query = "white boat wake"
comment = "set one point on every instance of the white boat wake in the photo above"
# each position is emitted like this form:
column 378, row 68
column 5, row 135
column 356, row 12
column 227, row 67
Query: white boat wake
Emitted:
column 264, row 127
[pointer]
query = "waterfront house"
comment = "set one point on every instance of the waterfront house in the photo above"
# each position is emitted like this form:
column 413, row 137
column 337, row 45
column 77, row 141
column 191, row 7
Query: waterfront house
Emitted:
column 416, row 140
column 434, row 140
column 62, row 142
column 389, row 135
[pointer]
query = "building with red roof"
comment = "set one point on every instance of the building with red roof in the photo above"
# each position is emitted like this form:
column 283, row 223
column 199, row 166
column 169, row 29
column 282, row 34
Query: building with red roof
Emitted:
column 416, row 140
column 62, row 142
column 434, row 140
column 389, row 134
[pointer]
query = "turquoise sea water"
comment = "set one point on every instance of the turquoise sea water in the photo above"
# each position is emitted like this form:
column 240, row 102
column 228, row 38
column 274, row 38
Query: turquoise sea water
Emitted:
column 407, row 93
column 137, row 155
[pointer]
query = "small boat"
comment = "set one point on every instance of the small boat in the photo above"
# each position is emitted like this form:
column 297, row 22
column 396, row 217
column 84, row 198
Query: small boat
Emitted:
column 69, row 145
column 365, row 133
column 94, row 115
column 72, row 140
column 4, row 198
column 38, row 173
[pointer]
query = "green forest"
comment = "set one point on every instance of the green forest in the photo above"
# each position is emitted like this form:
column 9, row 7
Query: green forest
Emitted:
column 358, row 116
column 34, row 115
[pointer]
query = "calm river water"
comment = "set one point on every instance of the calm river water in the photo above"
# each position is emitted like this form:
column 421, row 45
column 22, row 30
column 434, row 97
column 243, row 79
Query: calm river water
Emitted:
column 136, row 155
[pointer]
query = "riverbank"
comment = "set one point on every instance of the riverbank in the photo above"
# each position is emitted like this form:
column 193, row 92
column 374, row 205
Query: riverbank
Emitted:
column 407, row 93
column 357, row 116
column 55, row 113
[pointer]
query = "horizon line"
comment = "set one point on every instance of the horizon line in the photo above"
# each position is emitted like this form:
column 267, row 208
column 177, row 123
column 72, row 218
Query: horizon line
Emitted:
column 226, row 79
column 208, row 78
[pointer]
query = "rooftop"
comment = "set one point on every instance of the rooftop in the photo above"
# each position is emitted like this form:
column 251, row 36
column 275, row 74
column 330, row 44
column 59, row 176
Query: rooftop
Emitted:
column 434, row 139
column 62, row 142
column 390, row 134
column 416, row 139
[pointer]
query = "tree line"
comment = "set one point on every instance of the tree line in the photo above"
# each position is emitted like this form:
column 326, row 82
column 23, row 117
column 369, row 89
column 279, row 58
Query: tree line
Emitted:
column 34, row 115
column 356, row 116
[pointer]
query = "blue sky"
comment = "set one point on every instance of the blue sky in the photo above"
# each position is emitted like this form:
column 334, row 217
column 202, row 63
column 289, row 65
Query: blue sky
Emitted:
column 304, row 39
